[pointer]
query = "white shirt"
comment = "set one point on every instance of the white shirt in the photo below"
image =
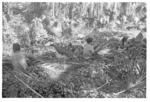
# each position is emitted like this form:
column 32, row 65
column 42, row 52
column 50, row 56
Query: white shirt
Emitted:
column 88, row 50
column 19, row 61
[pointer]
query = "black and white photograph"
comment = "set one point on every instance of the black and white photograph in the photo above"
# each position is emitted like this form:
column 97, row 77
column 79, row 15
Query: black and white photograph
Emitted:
column 74, row 49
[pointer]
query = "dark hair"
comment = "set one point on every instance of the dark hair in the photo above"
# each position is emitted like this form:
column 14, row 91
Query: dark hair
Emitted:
column 55, row 24
column 89, row 40
column 124, row 40
column 16, row 47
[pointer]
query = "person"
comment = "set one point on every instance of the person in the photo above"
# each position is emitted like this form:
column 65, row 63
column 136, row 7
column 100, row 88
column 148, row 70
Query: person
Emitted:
column 124, row 41
column 88, row 49
column 18, row 59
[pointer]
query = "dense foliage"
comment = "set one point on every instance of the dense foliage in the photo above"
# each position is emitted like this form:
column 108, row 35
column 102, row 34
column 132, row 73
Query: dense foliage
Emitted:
column 53, row 35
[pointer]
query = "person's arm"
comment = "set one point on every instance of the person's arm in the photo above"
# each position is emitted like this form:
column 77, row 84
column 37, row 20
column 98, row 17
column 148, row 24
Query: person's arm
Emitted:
column 92, row 50
column 24, row 63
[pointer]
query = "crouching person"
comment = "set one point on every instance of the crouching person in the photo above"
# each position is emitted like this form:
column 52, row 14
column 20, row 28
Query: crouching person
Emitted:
column 88, row 49
column 18, row 60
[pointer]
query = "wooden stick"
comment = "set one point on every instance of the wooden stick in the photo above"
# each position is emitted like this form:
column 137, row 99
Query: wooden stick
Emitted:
column 103, row 85
column 29, row 87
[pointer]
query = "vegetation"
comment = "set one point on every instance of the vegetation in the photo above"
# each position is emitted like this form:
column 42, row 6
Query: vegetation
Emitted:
column 52, row 36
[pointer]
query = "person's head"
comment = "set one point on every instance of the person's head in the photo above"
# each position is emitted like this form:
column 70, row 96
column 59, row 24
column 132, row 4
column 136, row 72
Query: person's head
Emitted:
column 89, row 40
column 55, row 24
column 16, row 47
column 70, row 44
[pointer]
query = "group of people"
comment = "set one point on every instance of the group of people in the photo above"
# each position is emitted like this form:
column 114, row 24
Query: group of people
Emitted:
column 19, row 59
